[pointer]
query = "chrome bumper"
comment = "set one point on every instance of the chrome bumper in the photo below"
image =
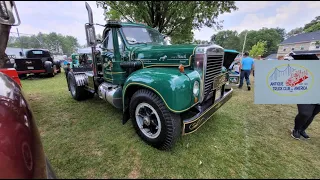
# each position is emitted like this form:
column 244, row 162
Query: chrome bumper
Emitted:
column 192, row 124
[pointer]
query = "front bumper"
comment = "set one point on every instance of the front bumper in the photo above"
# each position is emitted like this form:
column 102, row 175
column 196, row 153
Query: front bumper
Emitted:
column 205, row 111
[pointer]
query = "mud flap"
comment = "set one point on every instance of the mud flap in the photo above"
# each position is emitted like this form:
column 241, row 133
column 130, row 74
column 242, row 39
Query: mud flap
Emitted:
column 126, row 116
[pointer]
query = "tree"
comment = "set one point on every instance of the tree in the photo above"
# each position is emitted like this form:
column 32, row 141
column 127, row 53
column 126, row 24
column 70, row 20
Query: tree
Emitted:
column 313, row 22
column 195, row 41
column 281, row 32
column 313, row 28
column 56, row 43
column 295, row 31
column 270, row 35
column 172, row 18
column 227, row 39
column 258, row 49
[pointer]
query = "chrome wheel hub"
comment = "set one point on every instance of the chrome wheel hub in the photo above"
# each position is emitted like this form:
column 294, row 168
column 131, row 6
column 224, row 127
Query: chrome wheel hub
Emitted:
column 148, row 120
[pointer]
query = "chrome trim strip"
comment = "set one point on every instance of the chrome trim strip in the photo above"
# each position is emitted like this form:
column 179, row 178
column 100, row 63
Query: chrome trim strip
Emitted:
column 204, row 68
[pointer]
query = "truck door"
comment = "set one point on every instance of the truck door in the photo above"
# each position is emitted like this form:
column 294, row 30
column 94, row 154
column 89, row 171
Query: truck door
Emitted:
column 115, row 52
column 109, row 57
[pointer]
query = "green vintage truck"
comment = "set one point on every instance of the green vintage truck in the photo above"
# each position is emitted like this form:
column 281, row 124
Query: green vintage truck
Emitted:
column 166, row 90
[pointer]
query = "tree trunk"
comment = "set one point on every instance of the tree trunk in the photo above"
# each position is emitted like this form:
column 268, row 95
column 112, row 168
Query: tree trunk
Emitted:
column 4, row 36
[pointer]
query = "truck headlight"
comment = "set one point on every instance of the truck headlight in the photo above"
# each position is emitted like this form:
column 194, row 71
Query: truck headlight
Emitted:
column 196, row 88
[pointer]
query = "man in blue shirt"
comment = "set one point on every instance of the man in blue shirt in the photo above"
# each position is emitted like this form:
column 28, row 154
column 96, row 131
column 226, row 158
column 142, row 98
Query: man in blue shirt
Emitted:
column 247, row 65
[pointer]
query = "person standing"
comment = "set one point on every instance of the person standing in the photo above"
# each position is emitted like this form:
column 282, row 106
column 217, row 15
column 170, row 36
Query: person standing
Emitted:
column 236, row 68
column 246, row 66
column 305, row 116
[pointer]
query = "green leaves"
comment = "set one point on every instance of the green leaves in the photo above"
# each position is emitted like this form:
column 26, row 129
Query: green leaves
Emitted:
column 227, row 39
column 295, row 31
column 57, row 43
column 232, row 40
column 313, row 28
column 258, row 49
column 173, row 18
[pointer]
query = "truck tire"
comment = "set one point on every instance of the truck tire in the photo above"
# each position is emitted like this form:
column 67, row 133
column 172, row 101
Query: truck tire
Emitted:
column 152, row 120
column 49, row 67
column 22, row 76
column 77, row 92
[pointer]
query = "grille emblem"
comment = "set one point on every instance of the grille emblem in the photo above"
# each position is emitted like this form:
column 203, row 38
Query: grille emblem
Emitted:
column 28, row 62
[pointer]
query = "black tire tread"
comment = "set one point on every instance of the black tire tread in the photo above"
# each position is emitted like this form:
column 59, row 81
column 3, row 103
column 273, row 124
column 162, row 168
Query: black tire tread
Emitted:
column 172, row 120
column 81, row 93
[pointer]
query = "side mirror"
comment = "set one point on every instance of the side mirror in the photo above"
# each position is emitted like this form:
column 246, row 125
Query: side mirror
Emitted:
column 6, row 16
column 91, row 35
column 20, row 53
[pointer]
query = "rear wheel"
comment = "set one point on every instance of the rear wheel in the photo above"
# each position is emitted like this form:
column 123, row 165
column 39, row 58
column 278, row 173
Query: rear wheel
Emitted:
column 53, row 71
column 22, row 76
column 77, row 92
column 152, row 120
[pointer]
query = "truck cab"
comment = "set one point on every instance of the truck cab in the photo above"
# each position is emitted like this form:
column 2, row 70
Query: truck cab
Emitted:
column 37, row 61
column 166, row 90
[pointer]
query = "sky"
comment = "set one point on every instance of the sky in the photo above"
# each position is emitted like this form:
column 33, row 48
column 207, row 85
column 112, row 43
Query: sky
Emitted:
column 69, row 17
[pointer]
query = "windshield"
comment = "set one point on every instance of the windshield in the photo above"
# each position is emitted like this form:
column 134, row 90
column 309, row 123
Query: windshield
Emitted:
column 37, row 53
column 138, row 35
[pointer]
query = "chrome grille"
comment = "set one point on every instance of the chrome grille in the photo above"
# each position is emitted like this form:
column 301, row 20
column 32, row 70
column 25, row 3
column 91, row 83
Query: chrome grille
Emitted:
column 214, row 65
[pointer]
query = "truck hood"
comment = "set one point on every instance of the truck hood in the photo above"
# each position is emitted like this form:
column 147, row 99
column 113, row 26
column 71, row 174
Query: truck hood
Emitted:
column 163, row 55
column 229, row 57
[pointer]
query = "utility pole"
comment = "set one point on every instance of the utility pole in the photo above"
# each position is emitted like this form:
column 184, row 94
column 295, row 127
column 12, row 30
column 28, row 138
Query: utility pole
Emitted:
column 244, row 44
column 20, row 41
column 41, row 44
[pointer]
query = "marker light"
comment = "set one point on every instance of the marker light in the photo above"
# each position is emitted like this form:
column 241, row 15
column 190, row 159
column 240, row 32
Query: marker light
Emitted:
column 181, row 68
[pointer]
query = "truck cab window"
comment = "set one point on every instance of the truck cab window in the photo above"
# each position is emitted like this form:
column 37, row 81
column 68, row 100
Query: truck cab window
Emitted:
column 109, row 42
column 138, row 35
column 120, row 42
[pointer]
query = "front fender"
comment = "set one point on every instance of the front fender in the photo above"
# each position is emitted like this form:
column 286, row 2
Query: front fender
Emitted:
column 172, row 86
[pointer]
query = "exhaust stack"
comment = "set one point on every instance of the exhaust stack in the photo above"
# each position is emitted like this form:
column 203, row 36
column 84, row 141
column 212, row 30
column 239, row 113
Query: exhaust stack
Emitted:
column 91, row 38
column 89, row 13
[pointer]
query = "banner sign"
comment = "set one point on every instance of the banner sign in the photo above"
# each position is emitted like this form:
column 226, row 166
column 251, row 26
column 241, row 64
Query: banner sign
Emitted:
column 287, row 82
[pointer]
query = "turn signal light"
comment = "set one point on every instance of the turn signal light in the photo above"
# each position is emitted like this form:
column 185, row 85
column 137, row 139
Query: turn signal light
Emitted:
column 181, row 68
column 195, row 99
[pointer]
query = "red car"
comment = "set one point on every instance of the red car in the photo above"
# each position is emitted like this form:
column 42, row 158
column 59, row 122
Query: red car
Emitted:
column 21, row 150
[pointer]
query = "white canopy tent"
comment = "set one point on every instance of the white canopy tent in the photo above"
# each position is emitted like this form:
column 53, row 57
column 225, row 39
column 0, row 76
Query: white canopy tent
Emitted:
column 86, row 50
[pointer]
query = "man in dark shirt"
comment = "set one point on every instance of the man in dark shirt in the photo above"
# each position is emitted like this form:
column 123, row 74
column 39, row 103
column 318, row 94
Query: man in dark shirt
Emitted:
column 67, row 70
column 306, row 114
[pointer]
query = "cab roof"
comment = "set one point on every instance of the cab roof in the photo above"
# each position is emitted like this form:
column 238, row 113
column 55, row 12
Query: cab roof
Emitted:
column 128, row 24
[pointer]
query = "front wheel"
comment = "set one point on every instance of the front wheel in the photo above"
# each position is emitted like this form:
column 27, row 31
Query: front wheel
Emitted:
column 152, row 120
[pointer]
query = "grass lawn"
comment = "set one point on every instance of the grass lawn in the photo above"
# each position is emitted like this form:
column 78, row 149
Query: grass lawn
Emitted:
column 242, row 140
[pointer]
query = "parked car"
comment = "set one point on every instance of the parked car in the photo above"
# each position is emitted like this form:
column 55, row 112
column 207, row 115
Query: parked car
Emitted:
column 21, row 151
column 37, row 61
